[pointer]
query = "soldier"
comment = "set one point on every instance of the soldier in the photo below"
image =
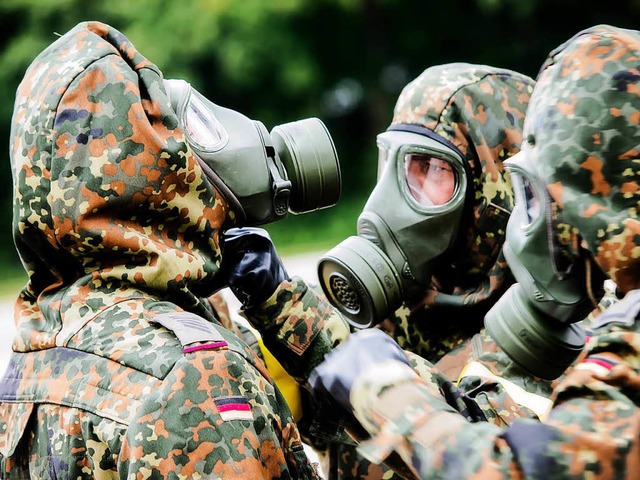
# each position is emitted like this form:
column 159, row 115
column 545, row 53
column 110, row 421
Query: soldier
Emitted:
column 436, row 219
column 433, row 228
column 577, row 188
column 123, row 186
column 439, row 212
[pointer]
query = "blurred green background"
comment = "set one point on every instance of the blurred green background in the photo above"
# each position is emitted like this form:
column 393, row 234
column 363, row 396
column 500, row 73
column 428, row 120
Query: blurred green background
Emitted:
column 344, row 61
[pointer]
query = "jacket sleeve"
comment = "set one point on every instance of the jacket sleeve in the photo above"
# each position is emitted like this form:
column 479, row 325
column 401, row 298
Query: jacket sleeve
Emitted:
column 592, row 429
column 215, row 416
column 298, row 326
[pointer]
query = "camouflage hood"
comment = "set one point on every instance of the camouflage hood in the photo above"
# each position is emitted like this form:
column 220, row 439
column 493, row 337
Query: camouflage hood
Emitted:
column 582, row 130
column 110, row 203
column 480, row 110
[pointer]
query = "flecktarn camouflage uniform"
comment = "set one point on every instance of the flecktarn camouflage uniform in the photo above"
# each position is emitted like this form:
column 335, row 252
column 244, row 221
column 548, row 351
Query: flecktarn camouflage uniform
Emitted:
column 480, row 109
column 120, row 367
column 582, row 130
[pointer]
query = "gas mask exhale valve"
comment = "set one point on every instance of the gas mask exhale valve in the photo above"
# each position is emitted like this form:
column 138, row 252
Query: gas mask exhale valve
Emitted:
column 263, row 175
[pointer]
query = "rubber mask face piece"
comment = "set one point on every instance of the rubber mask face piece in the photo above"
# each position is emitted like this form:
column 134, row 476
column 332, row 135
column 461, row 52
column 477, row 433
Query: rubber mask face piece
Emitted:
column 410, row 220
column 262, row 174
column 533, row 322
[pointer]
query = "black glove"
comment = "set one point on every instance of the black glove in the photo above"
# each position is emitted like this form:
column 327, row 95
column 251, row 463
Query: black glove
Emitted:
column 251, row 265
column 362, row 351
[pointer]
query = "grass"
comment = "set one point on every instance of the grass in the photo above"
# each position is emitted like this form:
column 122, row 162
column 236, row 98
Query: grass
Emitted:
column 315, row 231
column 12, row 281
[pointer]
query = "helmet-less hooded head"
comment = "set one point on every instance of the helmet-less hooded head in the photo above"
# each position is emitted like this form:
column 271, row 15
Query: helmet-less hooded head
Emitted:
column 576, row 217
column 110, row 201
column 435, row 221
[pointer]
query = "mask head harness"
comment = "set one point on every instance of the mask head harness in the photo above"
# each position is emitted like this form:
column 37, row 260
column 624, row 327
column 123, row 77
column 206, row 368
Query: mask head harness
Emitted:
column 411, row 219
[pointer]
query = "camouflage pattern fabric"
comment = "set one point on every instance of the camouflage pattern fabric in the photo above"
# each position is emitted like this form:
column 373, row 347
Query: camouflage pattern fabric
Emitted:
column 118, row 227
column 480, row 109
column 580, row 126
column 221, row 308
column 486, row 390
column 295, row 309
column 589, row 141
column 591, row 431
column 298, row 326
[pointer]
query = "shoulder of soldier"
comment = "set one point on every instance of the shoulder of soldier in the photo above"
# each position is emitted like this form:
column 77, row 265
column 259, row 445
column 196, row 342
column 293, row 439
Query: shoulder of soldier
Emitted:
column 216, row 394
column 202, row 339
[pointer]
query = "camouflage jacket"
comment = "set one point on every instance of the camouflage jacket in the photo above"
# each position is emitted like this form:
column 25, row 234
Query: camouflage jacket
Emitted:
column 119, row 365
column 300, row 327
column 179, row 409
column 592, row 429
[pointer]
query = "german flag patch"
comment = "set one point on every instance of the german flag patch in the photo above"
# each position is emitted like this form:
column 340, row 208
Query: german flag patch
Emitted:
column 598, row 364
column 234, row 408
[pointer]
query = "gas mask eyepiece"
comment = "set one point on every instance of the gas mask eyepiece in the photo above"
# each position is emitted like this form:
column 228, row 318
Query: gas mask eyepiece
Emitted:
column 534, row 322
column 410, row 219
column 263, row 175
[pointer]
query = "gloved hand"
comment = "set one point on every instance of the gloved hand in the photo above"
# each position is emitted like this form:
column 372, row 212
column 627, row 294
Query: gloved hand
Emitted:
column 361, row 352
column 251, row 265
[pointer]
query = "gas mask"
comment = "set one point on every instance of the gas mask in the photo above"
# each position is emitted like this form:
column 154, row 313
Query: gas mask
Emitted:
column 534, row 321
column 262, row 175
column 410, row 220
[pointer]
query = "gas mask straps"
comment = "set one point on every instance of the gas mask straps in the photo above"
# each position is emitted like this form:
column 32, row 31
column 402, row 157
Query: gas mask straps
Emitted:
column 411, row 218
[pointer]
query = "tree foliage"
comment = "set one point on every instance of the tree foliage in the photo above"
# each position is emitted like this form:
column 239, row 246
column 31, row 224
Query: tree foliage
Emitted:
column 344, row 61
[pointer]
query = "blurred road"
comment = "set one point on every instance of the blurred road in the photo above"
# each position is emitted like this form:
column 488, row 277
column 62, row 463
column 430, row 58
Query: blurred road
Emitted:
column 301, row 265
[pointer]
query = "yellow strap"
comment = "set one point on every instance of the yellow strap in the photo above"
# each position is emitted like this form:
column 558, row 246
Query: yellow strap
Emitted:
column 287, row 385
column 285, row 382
column 537, row 403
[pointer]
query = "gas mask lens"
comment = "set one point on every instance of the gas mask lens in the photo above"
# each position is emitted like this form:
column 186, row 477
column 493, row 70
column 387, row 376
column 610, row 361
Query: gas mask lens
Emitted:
column 202, row 126
column 431, row 180
column 526, row 196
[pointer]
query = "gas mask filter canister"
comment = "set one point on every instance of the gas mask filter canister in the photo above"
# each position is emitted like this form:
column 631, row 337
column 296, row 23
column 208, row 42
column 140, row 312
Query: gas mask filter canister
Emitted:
column 263, row 175
column 410, row 219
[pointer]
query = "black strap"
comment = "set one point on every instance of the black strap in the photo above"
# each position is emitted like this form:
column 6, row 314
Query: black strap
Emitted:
column 427, row 132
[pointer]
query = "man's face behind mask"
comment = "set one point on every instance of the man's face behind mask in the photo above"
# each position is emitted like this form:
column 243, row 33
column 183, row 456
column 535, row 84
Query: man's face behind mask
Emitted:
column 410, row 220
column 262, row 174
column 431, row 180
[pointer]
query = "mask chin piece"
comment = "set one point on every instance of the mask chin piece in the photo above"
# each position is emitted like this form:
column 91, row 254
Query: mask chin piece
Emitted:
column 360, row 281
column 536, row 342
